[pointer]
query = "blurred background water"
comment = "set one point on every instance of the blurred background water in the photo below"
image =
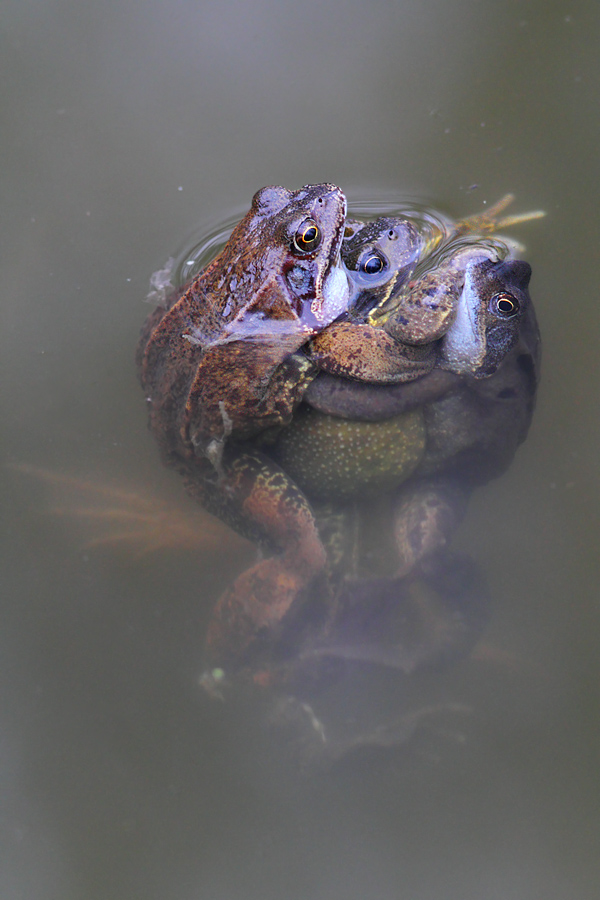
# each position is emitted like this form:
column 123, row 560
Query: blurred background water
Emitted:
column 126, row 126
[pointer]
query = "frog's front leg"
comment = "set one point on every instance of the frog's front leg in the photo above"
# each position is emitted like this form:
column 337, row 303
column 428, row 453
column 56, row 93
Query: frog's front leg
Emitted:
column 259, row 500
column 367, row 353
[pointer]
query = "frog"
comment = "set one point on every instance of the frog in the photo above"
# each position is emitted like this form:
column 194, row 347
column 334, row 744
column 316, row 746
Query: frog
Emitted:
column 380, row 256
column 491, row 348
column 471, row 431
column 213, row 441
column 383, row 451
column 218, row 364
column 434, row 606
column 277, row 282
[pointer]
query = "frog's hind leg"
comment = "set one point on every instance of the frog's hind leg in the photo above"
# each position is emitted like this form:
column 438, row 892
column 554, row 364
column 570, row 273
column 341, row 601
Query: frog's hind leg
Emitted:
column 260, row 501
column 428, row 620
column 490, row 222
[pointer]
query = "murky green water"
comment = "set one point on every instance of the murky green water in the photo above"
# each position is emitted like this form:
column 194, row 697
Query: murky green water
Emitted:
column 127, row 126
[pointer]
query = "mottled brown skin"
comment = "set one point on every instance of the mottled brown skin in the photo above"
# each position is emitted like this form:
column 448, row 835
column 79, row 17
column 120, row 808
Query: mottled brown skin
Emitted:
column 390, row 331
column 220, row 343
column 218, row 367
column 475, row 413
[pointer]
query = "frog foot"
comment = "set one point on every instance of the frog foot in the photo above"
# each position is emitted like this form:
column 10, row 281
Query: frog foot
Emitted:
column 137, row 520
column 488, row 222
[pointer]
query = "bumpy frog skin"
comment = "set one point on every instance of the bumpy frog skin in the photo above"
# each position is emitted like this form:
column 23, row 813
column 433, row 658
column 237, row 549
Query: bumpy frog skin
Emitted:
column 217, row 368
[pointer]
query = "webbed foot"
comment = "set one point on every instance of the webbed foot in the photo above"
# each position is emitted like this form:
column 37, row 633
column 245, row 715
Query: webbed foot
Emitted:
column 136, row 520
column 488, row 222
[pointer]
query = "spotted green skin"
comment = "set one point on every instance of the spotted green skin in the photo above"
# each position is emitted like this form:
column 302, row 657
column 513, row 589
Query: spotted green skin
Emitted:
column 339, row 459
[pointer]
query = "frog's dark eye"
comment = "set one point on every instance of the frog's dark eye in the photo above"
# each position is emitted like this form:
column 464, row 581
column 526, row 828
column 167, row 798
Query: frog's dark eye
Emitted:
column 504, row 305
column 307, row 237
column 373, row 264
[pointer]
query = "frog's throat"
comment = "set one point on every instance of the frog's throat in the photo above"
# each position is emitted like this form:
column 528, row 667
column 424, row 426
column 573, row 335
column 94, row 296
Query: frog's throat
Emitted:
column 464, row 345
column 336, row 294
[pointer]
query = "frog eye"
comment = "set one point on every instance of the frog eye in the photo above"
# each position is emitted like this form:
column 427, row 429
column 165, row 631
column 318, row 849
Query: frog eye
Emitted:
column 373, row 264
column 504, row 305
column 307, row 237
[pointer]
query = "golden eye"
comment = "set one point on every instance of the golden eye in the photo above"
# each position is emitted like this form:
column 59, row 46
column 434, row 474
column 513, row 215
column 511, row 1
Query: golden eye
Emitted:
column 373, row 264
column 307, row 237
column 504, row 305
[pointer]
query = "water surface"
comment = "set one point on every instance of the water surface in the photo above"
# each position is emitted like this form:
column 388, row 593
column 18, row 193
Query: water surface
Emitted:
column 128, row 126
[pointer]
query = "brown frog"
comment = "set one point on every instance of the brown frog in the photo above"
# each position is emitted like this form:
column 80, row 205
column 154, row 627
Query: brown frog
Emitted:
column 441, row 435
column 343, row 460
column 435, row 606
column 493, row 333
column 218, row 367
column 380, row 257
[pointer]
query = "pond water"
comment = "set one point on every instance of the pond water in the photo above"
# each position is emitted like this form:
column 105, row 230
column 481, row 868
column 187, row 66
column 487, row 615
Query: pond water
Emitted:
column 127, row 127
